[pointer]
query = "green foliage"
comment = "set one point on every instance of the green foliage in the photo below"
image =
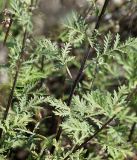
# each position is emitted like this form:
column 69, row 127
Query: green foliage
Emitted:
column 81, row 121
column 20, row 9
column 75, row 29
column 38, row 62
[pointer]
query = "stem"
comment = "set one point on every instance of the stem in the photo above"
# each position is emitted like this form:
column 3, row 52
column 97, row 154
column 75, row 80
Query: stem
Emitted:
column 7, row 32
column 91, row 137
column 78, row 77
column 101, row 14
column 75, row 83
column 134, row 92
column 5, row 4
column 14, row 82
column 86, row 55
column 131, row 132
column 94, row 74
column 16, row 76
column 86, row 11
column 42, row 69
column 32, row 2
column 104, row 126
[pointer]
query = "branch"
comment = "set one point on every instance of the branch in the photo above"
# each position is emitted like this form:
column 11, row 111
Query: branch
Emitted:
column 133, row 93
column 91, row 137
column 19, row 62
column 129, row 97
column 132, row 130
column 8, row 30
column 86, row 55
column 75, row 83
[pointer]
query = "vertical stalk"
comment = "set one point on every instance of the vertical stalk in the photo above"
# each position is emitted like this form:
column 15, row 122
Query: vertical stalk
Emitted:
column 133, row 127
column 76, row 81
column 42, row 69
column 129, row 97
column 132, row 130
column 90, row 138
column 7, row 32
column 19, row 62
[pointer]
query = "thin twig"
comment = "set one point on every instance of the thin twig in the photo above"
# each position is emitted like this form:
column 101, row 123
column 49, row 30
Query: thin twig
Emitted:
column 86, row 55
column 134, row 92
column 131, row 132
column 42, row 69
column 19, row 62
column 91, row 137
column 16, row 76
column 94, row 75
column 86, row 11
column 129, row 97
column 7, row 32
column 101, row 14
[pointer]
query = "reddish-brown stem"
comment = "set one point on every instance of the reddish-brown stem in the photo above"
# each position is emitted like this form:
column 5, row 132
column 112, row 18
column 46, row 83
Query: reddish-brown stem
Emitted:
column 75, row 83
column 91, row 137
column 14, row 81
column 7, row 32
column 129, row 97
column 131, row 132
column 133, row 93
